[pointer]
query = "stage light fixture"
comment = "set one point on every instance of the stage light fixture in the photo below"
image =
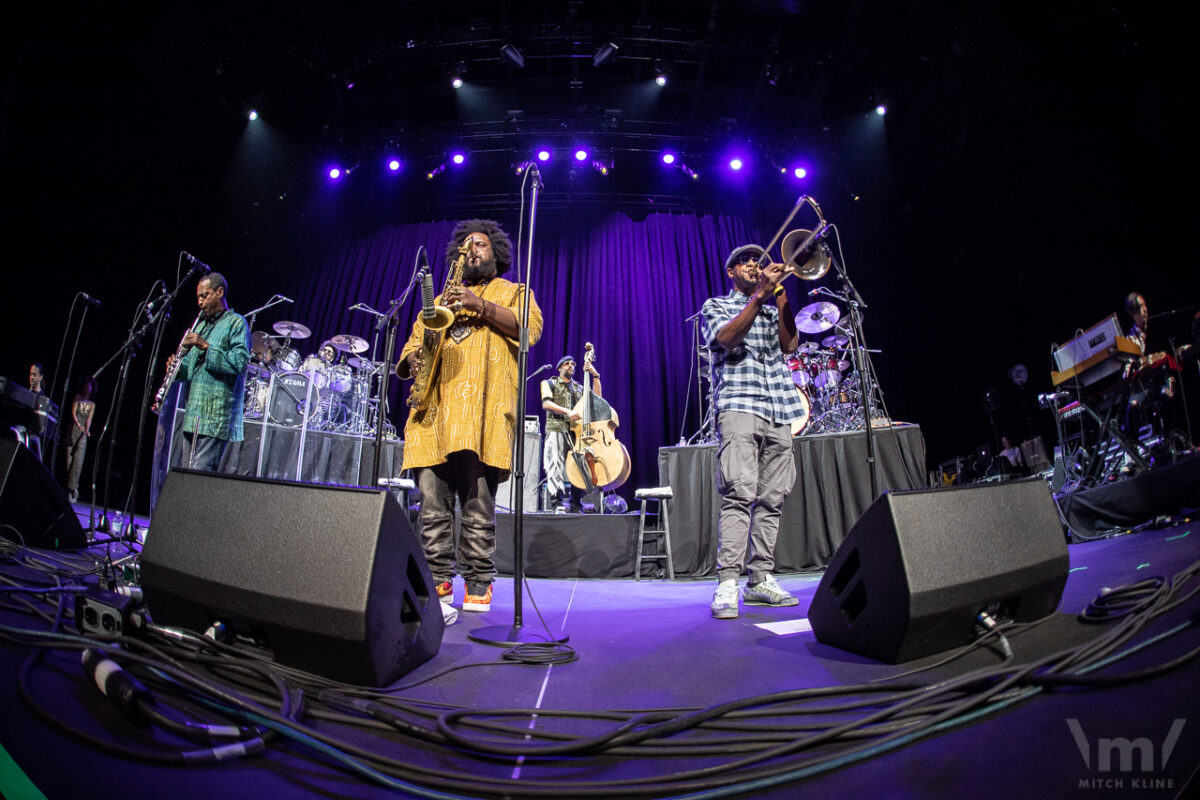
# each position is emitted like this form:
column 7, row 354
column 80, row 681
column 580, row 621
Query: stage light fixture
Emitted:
column 662, row 72
column 881, row 109
column 736, row 164
column 800, row 172
column 458, row 158
column 543, row 155
column 668, row 158
column 660, row 79
column 456, row 82
column 581, row 155
column 335, row 173
column 394, row 164
column 605, row 53
column 513, row 55
column 253, row 115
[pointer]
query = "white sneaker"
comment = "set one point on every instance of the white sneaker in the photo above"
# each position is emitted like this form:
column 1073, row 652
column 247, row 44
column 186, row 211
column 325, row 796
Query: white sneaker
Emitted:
column 768, row 592
column 725, row 600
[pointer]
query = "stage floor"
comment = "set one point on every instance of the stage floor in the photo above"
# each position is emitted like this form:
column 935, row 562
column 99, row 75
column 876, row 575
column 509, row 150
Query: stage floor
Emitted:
column 653, row 644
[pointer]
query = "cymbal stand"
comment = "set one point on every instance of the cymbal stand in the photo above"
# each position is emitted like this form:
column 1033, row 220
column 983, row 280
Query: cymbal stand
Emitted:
column 390, row 320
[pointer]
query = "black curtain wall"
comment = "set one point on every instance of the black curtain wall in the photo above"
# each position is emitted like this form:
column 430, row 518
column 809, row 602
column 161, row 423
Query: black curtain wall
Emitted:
column 626, row 285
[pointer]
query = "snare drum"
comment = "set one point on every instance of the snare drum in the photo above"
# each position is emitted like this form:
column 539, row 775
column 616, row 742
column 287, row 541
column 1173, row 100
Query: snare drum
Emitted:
column 341, row 377
column 287, row 359
column 317, row 369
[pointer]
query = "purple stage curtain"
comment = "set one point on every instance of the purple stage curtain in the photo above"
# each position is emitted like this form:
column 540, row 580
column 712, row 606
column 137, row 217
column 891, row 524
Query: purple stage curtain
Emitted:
column 626, row 285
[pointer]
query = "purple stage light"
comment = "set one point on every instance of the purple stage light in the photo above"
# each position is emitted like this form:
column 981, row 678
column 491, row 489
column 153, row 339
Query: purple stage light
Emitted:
column 661, row 80
column 334, row 173
column 456, row 82
column 394, row 164
column 668, row 158
column 543, row 155
column 253, row 115
column 735, row 164
column 800, row 172
column 458, row 158
column 581, row 155
column 881, row 109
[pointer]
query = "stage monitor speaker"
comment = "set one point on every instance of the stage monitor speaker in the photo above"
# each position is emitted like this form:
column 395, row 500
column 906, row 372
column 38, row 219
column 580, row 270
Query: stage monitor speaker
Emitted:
column 331, row 580
column 33, row 504
column 918, row 566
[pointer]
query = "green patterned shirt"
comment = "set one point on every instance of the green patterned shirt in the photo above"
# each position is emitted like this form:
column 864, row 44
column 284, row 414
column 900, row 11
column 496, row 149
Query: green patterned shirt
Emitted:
column 217, row 378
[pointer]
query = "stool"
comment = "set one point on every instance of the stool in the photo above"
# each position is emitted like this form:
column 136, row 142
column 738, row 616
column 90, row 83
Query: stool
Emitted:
column 662, row 496
column 400, row 487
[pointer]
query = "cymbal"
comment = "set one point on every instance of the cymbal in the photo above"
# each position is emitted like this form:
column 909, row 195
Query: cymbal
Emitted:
column 256, row 371
column 349, row 343
column 293, row 330
column 262, row 342
column 817, row 317
column 806, row 348
column 843, row 365
column 835, row 340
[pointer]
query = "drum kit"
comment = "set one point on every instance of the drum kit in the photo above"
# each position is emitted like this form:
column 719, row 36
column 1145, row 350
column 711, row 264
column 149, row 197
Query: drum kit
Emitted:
column 332, row 390
column 830, row 390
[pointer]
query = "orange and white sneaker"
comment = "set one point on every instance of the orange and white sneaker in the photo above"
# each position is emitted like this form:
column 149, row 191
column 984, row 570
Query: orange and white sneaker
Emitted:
column 478, row 597
column 445, row 591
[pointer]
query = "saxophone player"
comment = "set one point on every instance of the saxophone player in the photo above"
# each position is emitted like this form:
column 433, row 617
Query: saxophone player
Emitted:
column 214, row 356
column 461, row 442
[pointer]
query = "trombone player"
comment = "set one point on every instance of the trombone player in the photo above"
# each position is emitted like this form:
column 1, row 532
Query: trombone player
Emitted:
column 460, row 440
column 749, row 330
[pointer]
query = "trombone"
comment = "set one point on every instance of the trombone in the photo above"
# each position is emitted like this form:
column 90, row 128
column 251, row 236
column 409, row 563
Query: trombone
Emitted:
column 802, row 251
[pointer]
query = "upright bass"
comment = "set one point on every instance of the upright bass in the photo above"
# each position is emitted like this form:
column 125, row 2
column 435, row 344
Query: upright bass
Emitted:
column 597, row 460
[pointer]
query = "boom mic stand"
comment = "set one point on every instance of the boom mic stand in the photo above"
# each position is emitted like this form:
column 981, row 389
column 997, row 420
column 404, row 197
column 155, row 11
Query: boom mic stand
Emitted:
column 855, row 303
column 392, row 321
column 62, row 406
column 506, row 635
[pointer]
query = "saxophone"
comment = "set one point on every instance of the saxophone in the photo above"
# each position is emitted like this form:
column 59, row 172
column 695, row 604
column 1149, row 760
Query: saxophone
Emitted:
column 436, row 320
column 169, row 378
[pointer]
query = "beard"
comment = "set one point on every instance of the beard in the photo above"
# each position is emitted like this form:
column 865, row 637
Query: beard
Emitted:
column 477, row 273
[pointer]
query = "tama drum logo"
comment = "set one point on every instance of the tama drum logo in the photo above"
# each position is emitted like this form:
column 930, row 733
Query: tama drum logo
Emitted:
column 1123, row 752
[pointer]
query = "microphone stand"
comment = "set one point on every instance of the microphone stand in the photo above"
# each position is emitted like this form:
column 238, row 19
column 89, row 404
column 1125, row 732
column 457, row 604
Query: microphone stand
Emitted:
column 505, row 635
column 131, row 502
column 392, row 321
column 855, row 303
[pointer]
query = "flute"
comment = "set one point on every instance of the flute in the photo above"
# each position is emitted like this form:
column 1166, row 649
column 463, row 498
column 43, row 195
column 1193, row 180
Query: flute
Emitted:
column 173, row 370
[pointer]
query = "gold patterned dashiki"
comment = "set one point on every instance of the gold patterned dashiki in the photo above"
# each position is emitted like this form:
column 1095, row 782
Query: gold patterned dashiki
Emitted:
column 473, row 399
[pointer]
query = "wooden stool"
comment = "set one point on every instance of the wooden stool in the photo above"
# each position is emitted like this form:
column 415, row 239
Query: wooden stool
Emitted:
column 662, row 496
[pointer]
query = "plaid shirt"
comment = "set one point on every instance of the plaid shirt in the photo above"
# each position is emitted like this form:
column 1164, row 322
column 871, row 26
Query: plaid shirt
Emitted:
column 218, row 378
column 753, row 376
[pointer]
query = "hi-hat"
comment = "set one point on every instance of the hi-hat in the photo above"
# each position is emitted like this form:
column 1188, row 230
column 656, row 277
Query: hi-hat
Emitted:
column 348, row 343
column 292, row 330
column 807, row 347
column 835, row 340
column 817, row 317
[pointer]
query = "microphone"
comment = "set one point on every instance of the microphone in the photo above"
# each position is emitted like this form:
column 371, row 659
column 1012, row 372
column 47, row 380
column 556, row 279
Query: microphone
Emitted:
column 285, row 299
column 816, row 291
column 197, row 263
column 537, row 176
column 156, row 305
column 90, row 299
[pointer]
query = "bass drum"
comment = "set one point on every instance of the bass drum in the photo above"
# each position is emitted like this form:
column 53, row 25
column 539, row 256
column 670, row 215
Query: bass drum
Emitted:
column 800, row 424
column 289, row 399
